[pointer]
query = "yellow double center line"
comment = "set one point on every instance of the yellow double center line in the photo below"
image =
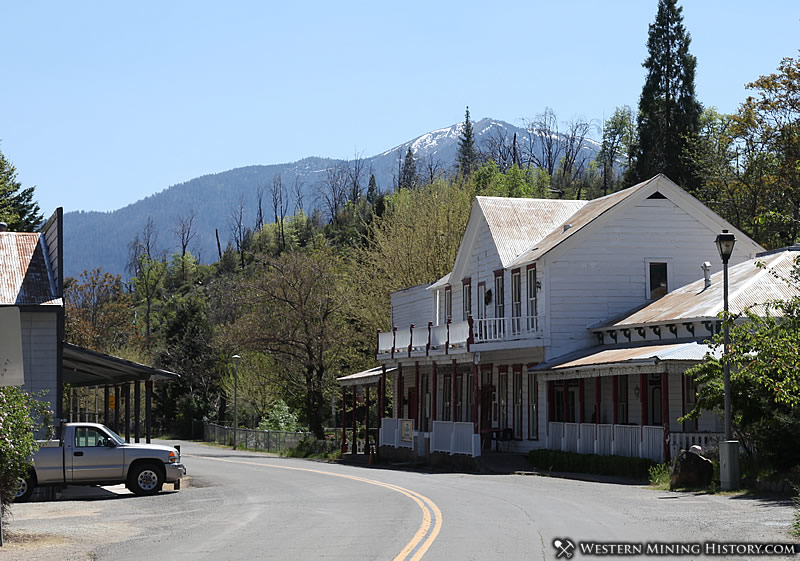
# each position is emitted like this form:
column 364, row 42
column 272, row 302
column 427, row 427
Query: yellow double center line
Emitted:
column 431, row 515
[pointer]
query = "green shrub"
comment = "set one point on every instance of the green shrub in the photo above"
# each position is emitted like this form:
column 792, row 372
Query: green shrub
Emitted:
column 620, row 466
column 659, row 475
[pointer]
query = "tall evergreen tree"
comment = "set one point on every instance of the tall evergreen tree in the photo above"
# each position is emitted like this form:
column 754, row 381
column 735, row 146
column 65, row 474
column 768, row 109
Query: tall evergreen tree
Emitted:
column 669, row 114
column 467, row 154
column 17, row 207
column 408, row 173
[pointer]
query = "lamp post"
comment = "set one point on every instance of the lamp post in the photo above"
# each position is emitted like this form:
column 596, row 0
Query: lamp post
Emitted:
column 729, row 450
column 235, row 397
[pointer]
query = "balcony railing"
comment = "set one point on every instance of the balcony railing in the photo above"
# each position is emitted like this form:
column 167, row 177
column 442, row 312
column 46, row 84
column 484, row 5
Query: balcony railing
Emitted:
column 455, row 336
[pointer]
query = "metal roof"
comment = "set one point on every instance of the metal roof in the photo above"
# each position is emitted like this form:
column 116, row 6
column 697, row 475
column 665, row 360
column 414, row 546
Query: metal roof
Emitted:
column 365, row 378
column 83, row 367
column 577, row 221
column 25, row 277
column 648, row 354
column 749, row 287
column 516, row 225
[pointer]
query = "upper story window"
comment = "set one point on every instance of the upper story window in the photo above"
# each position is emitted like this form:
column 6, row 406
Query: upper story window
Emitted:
column 516, row 293
column 467, row 298
column 499, row 295
column 532, row 304
column 657, row 285
column 448, row 304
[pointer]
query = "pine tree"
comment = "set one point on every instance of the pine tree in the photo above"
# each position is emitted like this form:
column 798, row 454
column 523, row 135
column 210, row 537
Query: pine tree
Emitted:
column 372, row 190
column 17, row 207
column 408, row 174
column 669, row 115
column 467, row 155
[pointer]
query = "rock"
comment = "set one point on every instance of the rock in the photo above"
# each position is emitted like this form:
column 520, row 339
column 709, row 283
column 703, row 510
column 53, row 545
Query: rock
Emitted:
column 691, row 470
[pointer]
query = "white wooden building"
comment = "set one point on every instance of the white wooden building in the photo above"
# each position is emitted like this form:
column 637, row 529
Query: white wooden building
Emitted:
column 488, row 351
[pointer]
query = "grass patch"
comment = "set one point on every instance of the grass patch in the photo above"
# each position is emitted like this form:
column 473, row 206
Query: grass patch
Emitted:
column 659, row 476
column 619, row 466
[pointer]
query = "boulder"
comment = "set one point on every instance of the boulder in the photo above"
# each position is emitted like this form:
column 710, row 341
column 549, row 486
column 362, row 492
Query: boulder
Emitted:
column 691, row 470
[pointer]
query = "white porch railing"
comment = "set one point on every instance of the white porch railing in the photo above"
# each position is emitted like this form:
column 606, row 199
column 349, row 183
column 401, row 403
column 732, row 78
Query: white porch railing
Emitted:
column 455, row 438
column 605, row 440
column 684, row 440
column 442, row 437
column 457, row 335
column 462, row 438
column 389, row 431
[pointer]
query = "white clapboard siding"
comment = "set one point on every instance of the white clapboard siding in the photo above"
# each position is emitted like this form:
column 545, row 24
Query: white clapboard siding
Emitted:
column 602, row 274
column 412, row 305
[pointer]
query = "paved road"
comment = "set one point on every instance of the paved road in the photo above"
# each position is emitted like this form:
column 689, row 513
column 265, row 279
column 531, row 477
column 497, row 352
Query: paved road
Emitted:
column 244, row 506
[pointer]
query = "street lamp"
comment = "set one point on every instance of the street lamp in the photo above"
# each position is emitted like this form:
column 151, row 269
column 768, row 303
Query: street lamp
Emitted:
column 235, row 397
column 729, row 449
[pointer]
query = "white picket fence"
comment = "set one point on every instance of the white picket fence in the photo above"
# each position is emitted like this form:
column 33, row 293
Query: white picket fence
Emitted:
column 621, row 440
column 446, row 437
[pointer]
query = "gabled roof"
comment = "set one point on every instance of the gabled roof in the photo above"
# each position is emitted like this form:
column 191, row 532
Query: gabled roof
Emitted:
column 25, row 275
column 517, row 224
column 749, row 287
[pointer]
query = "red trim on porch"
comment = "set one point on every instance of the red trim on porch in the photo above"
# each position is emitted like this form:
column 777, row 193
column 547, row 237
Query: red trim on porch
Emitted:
column 581, row 397
column 435, row 384
column 665, row 412
column 643, row 397
column 475, row 375
column 598, row 392
column 453, row 390
column 419, row 396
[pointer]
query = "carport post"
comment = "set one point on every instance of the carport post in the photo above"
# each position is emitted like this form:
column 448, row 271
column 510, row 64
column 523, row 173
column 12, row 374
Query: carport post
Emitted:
column 137, row 409
column 344, row 419
column 148, row 409
column 366, row 421
column 354, row 449
column 116, row 407
column 106, row 408
column 127, row 390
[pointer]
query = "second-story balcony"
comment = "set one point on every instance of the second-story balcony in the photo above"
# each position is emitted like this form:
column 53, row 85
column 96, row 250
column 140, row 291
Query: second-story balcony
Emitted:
column 456, row 337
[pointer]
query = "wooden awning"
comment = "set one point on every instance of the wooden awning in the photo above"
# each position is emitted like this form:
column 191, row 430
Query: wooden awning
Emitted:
column 83, row 367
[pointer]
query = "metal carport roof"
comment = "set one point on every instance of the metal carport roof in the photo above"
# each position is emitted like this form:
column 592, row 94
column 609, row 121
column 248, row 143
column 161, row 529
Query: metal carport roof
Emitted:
column 83, row 367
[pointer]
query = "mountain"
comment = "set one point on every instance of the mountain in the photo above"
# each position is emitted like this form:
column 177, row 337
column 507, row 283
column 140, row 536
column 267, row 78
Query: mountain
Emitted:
column 101, row 239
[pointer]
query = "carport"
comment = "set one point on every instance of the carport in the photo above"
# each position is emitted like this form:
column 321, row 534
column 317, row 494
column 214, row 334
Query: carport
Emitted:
column 83, row 368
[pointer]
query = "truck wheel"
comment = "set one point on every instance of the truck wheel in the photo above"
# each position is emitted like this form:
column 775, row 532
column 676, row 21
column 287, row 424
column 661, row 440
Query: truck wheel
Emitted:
column 145, row 479
column 25, row 489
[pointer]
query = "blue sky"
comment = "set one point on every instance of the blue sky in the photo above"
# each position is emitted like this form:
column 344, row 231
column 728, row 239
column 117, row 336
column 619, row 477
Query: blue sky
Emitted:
column 104, row 103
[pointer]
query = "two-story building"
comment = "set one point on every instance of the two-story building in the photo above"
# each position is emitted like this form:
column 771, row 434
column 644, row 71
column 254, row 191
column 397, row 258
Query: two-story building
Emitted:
column 490, row 350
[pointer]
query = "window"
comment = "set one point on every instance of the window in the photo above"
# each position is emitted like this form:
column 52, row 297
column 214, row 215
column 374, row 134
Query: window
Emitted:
column 499, row 295
column 503, row 399
column 447, row 395
column 622, row 399
column 532, row 312
column 656, row 279
column 89, row 437
column 459, row 398
column 467, row 298
column 516, row 301
column 469, row 398
column 448, row 304
column 533, row 411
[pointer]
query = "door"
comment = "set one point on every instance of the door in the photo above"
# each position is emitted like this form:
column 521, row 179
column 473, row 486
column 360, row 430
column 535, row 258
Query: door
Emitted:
column 91, row 459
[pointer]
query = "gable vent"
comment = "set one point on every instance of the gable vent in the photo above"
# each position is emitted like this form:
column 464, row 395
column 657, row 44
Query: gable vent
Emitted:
column 657, row 195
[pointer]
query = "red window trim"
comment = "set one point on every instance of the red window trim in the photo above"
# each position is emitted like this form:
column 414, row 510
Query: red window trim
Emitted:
column 514, row 271
column 531, row 266
column 499, row 272
column 466, row 280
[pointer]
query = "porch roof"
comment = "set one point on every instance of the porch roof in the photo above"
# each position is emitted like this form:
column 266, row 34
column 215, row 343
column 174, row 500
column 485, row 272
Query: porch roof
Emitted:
column 366, row 378
column 628, row 356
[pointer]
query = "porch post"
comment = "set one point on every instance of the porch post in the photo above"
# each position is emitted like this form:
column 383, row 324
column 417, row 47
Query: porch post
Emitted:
column 400, row 406
column 580, row 400
column 417, row 416
column 354, row 449
column 137, row 409
column 614, row 392
column 597, row 398
column 148, row 410
column 643, row 396
column 665, row 412
column 453, row 391
column 434, row 384
column 366, row 420
column 382, row 396
column 344, row 419
column 475, row 374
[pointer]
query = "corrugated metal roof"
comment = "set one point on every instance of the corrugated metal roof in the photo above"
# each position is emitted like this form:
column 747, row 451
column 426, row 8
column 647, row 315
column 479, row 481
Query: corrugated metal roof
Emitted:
column 24, row 275
column 516, row 225
column 365, row 378
column 749, row 287
column 603, row 356
column 582, row 217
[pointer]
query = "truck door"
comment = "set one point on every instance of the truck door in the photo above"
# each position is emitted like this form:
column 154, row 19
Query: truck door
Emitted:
column 91, row 458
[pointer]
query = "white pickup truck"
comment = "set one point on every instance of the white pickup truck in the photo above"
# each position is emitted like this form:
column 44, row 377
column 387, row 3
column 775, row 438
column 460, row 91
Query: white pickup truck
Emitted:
column 93, row 454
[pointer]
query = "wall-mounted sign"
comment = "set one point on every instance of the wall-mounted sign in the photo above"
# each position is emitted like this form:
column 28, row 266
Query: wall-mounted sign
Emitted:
column 12, row 372
column 407, row 430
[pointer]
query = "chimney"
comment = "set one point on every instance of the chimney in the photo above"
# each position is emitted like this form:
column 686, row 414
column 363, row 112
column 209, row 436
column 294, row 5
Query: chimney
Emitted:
column 3, row 227
column 706, row 274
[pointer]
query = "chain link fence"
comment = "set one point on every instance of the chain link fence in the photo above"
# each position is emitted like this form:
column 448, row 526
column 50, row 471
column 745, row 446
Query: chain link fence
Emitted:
column 271, row 440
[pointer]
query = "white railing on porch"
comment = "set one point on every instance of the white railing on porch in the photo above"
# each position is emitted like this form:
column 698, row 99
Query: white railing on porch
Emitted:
column 389, row 434
column 455, row 438
column 685, row 440
column 429, row 339
column 605, row 440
